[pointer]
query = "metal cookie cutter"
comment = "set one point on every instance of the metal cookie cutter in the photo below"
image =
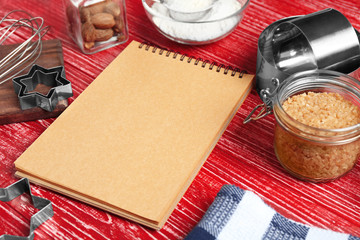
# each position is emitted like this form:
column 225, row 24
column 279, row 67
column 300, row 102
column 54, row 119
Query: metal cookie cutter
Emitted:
column 45, row 208
column 53, row 77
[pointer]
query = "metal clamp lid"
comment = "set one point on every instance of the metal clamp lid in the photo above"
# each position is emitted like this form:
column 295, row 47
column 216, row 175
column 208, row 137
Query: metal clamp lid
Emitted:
column 321, row 40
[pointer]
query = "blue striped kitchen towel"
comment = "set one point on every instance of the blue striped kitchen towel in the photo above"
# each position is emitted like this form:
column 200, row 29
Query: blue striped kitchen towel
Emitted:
column 240, row 214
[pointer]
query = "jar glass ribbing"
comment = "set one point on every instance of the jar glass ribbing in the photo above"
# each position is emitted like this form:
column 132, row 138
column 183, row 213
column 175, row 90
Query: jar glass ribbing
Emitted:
column 311, row 153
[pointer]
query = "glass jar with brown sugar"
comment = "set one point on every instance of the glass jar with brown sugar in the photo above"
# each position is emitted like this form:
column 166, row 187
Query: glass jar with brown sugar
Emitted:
column 317, row 133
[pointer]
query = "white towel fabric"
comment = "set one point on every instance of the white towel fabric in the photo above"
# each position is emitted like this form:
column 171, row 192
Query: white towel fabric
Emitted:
column 239, row 214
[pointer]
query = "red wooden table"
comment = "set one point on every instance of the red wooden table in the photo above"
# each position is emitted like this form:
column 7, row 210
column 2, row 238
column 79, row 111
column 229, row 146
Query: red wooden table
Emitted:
column 244, row 155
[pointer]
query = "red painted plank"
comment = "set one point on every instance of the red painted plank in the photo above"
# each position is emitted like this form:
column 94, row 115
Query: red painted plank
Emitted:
column 244, row 155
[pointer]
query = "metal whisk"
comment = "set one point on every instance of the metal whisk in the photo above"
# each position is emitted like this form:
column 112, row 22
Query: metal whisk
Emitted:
column 28, row 51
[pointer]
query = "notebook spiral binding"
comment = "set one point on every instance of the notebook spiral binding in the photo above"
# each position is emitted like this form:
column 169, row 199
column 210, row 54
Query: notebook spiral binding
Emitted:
column 189, row 59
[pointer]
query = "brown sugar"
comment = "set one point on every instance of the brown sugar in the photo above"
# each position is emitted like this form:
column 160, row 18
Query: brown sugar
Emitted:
column 316, row 160
column 324, row 110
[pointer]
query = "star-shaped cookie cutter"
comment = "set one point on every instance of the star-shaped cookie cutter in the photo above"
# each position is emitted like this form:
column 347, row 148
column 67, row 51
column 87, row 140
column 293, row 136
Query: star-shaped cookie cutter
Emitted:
column 45, row 207
column 25, row 85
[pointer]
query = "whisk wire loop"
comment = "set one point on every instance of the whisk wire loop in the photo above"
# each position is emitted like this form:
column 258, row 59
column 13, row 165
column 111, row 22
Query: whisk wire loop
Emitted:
column 28, row 51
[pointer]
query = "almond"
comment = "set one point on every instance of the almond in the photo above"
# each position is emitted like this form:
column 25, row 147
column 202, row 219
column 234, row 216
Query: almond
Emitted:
column 88, row 32
column 84, row 14
column 96, row 8
column 103, row 20
column 88, row 45
column 103, row 34
column 119, row 24
column 121, row 37
column 112, row 8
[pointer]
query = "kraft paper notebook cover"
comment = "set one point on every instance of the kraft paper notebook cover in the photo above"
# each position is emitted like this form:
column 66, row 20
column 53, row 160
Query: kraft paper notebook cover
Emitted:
column 134, row 140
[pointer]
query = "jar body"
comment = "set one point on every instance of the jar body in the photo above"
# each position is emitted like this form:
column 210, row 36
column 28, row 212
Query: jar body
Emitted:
column 96, row 25
column 311, row 160
column 310, row 153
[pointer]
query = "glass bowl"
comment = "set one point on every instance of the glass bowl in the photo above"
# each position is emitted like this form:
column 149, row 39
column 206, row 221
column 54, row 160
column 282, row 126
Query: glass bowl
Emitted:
column 213, row 25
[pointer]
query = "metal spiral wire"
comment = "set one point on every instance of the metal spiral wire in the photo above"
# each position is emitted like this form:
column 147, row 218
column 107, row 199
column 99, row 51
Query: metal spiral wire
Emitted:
column 175, row 54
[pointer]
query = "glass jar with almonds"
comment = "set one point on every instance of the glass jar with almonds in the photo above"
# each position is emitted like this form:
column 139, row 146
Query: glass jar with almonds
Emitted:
column 96, row 25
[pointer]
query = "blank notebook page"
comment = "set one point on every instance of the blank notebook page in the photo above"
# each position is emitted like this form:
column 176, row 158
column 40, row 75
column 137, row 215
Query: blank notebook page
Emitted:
column 137, row 136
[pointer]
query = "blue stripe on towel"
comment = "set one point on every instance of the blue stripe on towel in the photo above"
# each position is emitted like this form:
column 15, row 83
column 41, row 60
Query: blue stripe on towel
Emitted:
column 199, row 233
column 220, row 222
column 282, row 228
column 221, row 209
column 218, row 213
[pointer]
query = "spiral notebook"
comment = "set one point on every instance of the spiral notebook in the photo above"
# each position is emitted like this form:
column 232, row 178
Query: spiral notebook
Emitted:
column 134, row 140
